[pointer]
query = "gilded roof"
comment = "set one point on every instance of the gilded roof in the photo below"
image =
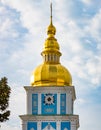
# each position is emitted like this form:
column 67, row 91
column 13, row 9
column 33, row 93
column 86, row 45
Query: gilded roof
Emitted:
column 51, row 72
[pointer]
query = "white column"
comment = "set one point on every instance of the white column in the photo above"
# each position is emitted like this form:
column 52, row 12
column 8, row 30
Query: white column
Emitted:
column 39, row 103
column 24, row 125
column 58, row 103
column 70, row 104
column 39, row 126
column 29, row 102
column 58, row 126
column 73, row 127
column 67, row 102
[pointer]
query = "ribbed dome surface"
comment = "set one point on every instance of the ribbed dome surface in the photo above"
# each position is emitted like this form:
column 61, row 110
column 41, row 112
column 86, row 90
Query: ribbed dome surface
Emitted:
column 51, row 75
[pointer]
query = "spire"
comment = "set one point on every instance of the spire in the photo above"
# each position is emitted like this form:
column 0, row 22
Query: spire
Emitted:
column 51, row 12
column 51, row 29
column 51, row 48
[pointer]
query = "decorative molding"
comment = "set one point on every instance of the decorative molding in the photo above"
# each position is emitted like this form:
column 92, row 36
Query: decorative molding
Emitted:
column 67, row 89
column 74, row 119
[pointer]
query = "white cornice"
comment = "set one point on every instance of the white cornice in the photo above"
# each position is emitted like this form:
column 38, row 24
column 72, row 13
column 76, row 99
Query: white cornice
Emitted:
column 68, row 89
column 74, row 119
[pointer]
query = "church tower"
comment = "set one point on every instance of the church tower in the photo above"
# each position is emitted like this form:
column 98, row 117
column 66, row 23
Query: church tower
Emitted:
column 50, row 98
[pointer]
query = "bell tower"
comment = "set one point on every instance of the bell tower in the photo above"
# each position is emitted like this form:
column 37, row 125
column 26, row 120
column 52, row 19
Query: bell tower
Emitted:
column 51, row 96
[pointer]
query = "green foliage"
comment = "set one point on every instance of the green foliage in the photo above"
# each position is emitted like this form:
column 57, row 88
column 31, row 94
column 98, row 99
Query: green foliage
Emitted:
column 4, row 99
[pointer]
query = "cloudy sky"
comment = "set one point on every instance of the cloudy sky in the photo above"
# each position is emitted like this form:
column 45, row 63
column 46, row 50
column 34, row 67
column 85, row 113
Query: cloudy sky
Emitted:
column 23, row 26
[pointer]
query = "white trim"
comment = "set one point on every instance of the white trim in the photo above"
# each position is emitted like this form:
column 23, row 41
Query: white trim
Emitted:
column 58, row 125
column 67, row 104
column 39, row 103
column 29, row 103
column 58, row 103
column 24, row 125
column 73, row 127
column 70, row 104
column 38, row 125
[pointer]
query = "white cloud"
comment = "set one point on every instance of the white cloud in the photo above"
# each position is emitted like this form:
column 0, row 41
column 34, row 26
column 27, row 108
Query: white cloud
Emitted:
column 88, row 2
column 6, row 30
column 29, row 16
column 93, row 67
column 6, row 23
column 89, row 114
column 8, row 127
column 94, row 27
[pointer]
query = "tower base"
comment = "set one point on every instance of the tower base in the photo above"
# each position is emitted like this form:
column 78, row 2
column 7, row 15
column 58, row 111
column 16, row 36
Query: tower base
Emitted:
column 47, row 122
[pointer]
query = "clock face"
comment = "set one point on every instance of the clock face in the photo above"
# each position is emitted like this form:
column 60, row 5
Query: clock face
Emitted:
column 49, row 99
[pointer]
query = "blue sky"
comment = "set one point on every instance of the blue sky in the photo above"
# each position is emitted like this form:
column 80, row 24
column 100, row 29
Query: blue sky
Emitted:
column 23, row 26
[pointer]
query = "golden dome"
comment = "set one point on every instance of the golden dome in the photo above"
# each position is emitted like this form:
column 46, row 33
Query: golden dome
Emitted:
column 51, row 72
column 51, row 75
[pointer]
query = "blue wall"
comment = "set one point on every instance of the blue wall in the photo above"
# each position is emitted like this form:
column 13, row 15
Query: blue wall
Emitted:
column 31, row 125
column 49, row 109
column 65, row 125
